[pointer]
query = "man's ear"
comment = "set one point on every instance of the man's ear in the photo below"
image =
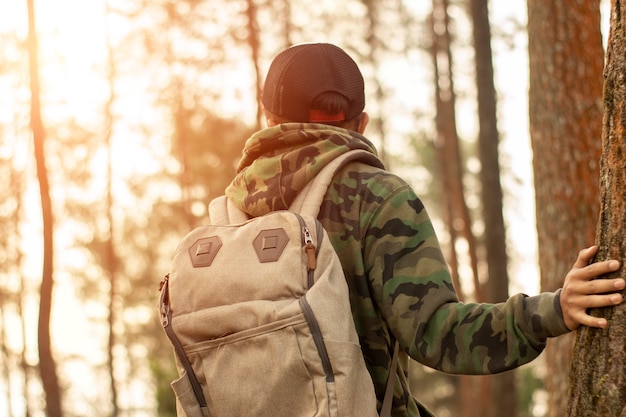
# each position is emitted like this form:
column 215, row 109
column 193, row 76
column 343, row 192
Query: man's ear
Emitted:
column 269, row 117
column 363, row 121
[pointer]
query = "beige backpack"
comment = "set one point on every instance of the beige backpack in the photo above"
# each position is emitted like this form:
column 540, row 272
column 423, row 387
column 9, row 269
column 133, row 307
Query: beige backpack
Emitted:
column 259, row 316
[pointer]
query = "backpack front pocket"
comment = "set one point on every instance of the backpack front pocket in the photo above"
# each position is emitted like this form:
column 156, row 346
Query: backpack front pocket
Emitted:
column 186, row 402
column 270, row 371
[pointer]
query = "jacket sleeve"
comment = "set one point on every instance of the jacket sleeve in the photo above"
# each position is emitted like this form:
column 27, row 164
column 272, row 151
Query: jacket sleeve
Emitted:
column 411, row 286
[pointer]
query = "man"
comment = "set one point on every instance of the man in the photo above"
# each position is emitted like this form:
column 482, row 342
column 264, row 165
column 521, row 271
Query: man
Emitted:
column 400, row 285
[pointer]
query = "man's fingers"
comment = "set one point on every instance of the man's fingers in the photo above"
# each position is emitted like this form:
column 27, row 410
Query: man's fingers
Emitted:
column 585, row 255
column 596, row 269
column 579, row 309
column 599, row 268
column 582, row 291
column 591, row 321
column 604, row 285
column 607, row 300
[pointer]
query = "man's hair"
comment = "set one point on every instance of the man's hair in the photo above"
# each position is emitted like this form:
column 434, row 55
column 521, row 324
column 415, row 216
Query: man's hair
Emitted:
column 329, row 102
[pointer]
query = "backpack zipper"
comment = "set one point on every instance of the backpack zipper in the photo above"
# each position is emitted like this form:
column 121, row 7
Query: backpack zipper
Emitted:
column 309, row 315
column 316, row 332
column 310, row 249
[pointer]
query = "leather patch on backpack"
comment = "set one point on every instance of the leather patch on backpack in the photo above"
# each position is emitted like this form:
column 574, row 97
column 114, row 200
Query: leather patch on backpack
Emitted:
column 269, row 244
column 203, row 251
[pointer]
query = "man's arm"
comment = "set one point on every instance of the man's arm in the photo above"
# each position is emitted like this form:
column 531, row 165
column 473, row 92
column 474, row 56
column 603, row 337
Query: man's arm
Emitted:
column 416, row 298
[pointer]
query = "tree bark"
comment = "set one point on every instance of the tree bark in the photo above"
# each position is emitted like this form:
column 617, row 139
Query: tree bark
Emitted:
column 47, row 366
column 598, row 377
column 565, row 53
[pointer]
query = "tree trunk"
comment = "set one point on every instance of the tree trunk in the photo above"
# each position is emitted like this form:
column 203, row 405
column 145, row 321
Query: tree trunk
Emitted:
column 447, row 143
column 6, row 357
column 474, row 390
column 599, row 365
column 372, row 38
column 502, row 386
column 255, row 45
column 110, row 256
column 565, row 53
column 47, row 366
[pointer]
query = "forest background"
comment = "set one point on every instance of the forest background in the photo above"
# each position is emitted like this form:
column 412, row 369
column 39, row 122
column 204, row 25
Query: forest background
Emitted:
column 145, row 107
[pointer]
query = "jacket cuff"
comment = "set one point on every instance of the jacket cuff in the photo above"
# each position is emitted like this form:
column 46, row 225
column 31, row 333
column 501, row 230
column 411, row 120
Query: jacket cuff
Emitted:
column 548, row 317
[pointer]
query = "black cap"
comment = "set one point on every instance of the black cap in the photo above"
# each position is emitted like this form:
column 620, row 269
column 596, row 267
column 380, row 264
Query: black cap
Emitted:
column 302, row 72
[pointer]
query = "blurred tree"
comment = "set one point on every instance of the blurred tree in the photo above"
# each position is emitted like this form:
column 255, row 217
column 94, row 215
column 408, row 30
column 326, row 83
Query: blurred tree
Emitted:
column 254, row 42
column 11, row 280
column 6, row 357
column 47, row 365
column 19, row 372
column 565, row 53
column 502, row 387
column 388, row 33
column 9, row 213
column 208, row 149
column 450, row 167
column 599, row 362
column 377, row 47
column 110, row 258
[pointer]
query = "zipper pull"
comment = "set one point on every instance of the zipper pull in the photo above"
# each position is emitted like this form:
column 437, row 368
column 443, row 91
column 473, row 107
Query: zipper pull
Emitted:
column 309, row 247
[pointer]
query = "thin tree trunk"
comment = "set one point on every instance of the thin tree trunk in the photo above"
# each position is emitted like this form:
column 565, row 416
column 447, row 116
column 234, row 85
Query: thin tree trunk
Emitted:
column 47, row 366
column 448, row 140
column 372, row 38
column 598, row 377
column 27, row 370
column 502, row 386
column 565, row 54
column 488, row 140
column 255, row 44
column 473, row 390
column 288, row 26
column 446, row 131
column 110, row 255
column 21, row 296
column 16, row 181
column 5, row 356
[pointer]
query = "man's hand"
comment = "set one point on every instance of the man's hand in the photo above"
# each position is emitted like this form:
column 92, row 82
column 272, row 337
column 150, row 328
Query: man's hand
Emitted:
column 581, row 291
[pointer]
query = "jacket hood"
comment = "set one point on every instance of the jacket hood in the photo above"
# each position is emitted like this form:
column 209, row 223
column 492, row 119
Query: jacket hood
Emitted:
column 279, row 161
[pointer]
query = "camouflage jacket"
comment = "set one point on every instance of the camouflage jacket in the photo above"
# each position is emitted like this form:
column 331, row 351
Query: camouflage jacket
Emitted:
column 399, row 282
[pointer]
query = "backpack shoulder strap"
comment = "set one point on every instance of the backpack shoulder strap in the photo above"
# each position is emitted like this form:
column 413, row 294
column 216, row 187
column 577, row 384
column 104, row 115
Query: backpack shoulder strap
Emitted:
column 387, row 404
column 222, row 211
column 308, row 202
column 310, row 198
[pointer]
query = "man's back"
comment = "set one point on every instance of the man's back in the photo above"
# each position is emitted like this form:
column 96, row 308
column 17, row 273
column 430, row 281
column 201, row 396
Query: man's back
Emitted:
column 400, row 287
